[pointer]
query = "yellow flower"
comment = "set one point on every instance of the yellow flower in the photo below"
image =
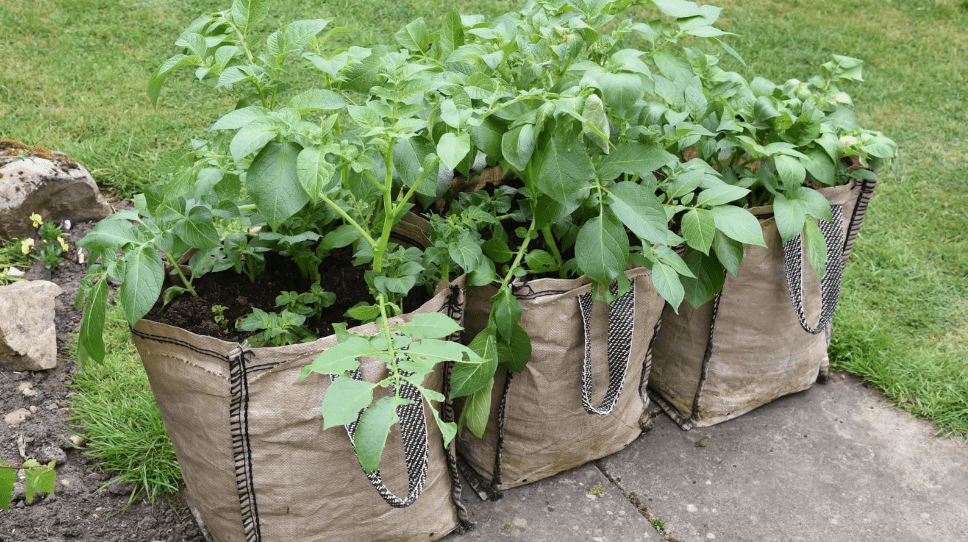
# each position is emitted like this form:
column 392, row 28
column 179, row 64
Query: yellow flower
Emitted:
column 36, row 220
column 63, row 245
column 80, row 256
column 26, row 245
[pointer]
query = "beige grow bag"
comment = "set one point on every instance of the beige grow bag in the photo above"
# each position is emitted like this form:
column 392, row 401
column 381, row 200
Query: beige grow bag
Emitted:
column 577, row 400
column 259, row 467
column 751, row 344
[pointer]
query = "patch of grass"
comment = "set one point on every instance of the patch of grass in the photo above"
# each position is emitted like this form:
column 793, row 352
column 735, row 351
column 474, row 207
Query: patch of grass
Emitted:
column 113, row 408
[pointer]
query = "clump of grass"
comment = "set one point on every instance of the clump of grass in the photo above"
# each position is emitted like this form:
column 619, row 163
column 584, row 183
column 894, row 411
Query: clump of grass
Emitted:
column 114, row 409
column 12, row 256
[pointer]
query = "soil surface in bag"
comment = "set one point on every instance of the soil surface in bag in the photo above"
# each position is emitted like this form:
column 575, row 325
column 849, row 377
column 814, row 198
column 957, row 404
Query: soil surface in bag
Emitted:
column 238, row 295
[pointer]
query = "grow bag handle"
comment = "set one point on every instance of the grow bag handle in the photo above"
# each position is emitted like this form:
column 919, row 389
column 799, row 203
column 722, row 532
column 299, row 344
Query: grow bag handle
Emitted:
column 621, row 319
column 413, row 431
column 833, row 234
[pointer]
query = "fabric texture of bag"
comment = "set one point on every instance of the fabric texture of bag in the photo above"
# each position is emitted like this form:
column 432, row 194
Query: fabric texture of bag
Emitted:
column 259, row 467
column 766, row 334
column 580, row 397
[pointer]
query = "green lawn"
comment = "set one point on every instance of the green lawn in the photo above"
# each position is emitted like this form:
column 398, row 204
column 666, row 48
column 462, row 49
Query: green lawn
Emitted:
column 76, row 73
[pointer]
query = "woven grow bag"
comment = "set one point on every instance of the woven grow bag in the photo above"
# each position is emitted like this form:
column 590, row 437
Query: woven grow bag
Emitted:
column 567, row 406
column 757, row 341
column 259, row 467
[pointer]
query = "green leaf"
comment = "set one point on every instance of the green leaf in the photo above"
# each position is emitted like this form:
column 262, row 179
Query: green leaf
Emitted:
column 470, row 376
column 821, row 167
column 251, row 138
column 247, row 13
column 679, row 9
column 341, row 357
column 505, row 312
column 451, row 35
column 298, row 33
column 790, row 170
column 430, row 352
column 720, row 195
column 620, row 90
column 339, row 237
column 602, row 248
column 708, row 277
column 91, row 336
column 729, row 252
column 477, row 409
column 316, row 175
column 173, row 63
column 739, row 224
column 38, row 479
column 8, row 477
column 317, row 100
column 488, row 137
column 408, row 161
column 364, row 312
column 633, row 158
column 273, row 183
column 639, row 210
column 699, row 227
column 110, row 235
column 815, row 246
column 515, row 353
column 466, row 251
column 497, row 250
column 197, row 229
column 517, row 146
column 373, row 430
column 144, row 275
column 241, row 117
column 344, row 399
column 668, row 284
column 789, row 217
column 414, row 36
column 540, row 261
column 813, row 203
column 433, row 325
column 596, row 127
column 448, row 430
column 452, row 148
column 563, row 170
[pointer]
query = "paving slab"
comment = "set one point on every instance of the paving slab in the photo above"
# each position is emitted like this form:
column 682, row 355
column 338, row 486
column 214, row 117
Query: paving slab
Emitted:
column 833, row 463
column 577, row 505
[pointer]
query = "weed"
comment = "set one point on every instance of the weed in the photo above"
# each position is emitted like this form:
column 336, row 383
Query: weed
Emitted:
column 597, row 490
column 658, row 524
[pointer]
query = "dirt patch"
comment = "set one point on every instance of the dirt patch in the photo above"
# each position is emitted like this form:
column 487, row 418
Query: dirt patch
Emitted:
column 80, row 509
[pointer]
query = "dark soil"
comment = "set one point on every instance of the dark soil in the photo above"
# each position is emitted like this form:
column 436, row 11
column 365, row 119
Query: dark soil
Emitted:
column 80, row 509
column 238, row 295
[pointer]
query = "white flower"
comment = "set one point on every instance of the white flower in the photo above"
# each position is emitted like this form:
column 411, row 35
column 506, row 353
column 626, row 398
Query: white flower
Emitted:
column 848, row 141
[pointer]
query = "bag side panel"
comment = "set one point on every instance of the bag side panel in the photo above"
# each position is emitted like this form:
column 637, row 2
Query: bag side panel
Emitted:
column 759, row 350
column 678, row 354
column 547, row 430
column 190, row 379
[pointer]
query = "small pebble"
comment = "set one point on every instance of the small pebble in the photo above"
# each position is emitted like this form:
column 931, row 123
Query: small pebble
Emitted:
column 65, row 482
column 33, row 409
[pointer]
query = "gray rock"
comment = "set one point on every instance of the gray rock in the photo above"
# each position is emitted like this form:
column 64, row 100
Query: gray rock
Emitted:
column 28, row 339
column 36, row 180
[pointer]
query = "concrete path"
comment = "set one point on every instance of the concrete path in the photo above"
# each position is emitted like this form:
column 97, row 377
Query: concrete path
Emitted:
column 832, row 463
